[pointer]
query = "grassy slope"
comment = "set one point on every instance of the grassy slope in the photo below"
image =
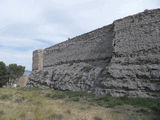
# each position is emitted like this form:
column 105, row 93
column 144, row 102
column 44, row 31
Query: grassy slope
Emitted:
column 36, row 104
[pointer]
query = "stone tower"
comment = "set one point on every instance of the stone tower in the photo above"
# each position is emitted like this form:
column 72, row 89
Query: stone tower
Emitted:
column 37, row 64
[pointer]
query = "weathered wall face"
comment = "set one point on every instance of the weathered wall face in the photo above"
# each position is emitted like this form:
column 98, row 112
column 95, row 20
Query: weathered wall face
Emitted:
column 135, row 64
column 79, row 76
column 136, row 55
column 137, row 33
column 22, row 81
column 119, row 59
column 90, row 46
column 75, row 64
column 37, row 60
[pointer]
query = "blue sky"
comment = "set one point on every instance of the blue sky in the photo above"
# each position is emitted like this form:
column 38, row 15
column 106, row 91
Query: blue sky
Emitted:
column 26, row 25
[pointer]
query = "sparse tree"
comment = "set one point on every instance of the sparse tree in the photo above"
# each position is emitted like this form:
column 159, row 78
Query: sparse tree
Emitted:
column 4, row 76
column 15, row 71
column 8, row 74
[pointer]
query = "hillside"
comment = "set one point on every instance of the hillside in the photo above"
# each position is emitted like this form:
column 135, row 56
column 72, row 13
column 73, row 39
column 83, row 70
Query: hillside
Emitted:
column 37, row 104
column 27, row 71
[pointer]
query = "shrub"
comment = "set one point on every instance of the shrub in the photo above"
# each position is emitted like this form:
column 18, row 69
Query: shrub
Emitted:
column 4, row 97
column 20, row 99
column 68, row 111
column 55, row 96
column 97, row 118
column 55, row 117
column 4, row 76
column 1, row 112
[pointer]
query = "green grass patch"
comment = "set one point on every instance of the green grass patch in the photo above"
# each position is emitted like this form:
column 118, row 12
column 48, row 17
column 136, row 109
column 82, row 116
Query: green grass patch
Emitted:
column 109, row 101
column 38, row 104
column 5, row 96
column 106, row 101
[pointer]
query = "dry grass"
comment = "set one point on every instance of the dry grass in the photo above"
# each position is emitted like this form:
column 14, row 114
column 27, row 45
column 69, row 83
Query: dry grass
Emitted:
column 24, row 104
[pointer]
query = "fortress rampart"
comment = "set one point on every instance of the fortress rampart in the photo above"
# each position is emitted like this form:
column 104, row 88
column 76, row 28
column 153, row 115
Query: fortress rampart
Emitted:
column 119, row 59
column 94, row 45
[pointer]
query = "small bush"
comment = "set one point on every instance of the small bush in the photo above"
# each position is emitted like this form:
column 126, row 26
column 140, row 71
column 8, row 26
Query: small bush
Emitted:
column 97, row 118
column 19, row 100
column 5, row 97
column 76, row 99
column 55, row 96
column 55, row 117
column 143, row 117
column 22, row 116
column 1, row 112
column 68, row 111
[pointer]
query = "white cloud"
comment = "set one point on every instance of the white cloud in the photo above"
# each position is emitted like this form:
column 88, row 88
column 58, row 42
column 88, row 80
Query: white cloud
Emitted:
column 18, row 57
column 26, row 25
column 23, row 11
column 20, row 42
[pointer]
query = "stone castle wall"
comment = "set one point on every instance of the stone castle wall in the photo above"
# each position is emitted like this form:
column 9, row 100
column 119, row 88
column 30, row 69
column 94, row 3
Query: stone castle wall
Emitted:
column 22, row 81
column 119, row 59
column 135, row 63
column 90, row 46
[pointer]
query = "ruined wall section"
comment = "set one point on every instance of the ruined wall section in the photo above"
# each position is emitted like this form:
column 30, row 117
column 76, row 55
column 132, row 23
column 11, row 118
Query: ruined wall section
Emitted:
column 137, row 33
column 37, row 60
column 135, row 66
column 75, row 64
column 122, row 59
column 95, row 45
